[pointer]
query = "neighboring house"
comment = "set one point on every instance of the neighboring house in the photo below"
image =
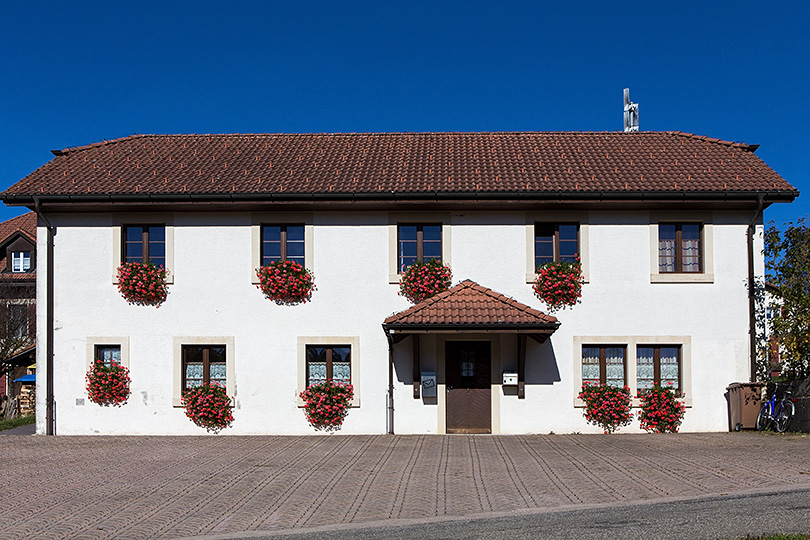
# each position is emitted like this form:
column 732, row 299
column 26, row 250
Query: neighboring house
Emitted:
column 659, row 219
column 18, row 238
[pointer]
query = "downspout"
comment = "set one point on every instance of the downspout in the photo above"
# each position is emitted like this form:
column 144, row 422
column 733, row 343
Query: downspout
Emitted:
column 50, row 407
column 390, row 383
column 752, row 315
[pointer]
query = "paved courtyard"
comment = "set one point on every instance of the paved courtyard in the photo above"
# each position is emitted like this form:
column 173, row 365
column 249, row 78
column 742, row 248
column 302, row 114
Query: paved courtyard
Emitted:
column 169, row 487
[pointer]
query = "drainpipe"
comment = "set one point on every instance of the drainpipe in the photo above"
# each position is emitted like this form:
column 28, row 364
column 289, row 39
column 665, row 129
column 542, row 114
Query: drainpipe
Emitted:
column 50, row 406
column 752, row 316
column 390, row 384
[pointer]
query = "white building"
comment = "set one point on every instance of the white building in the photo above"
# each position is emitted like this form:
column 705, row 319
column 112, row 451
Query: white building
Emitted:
column 660, row 220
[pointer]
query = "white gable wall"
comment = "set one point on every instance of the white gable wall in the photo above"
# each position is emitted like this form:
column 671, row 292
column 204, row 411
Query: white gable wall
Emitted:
column 213, row 297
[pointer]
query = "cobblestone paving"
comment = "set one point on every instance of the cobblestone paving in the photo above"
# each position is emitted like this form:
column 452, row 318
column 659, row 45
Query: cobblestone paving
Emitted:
column 167, row 487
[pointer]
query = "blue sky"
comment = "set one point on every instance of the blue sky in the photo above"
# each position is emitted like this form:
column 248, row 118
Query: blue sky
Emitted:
column 78, row 73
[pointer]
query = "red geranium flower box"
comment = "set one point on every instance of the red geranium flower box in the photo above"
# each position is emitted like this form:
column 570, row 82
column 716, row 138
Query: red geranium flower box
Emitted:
column 142, row 283
column 326, row 404
column 208, row 406
column 559, row 284
column 108, row 385
column 423, row 279
column 286, row 282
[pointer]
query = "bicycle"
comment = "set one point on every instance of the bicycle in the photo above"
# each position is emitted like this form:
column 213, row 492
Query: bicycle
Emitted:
column 779, row 413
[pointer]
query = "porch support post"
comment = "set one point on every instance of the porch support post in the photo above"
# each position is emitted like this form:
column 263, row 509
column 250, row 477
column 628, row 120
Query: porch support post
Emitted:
column 521, row 338
column 417, row 371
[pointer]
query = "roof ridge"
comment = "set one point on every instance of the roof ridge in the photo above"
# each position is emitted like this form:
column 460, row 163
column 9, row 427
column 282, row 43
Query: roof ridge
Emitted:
column 104, row 142
column 503, row 302
column 107, row 142
column 744, row 146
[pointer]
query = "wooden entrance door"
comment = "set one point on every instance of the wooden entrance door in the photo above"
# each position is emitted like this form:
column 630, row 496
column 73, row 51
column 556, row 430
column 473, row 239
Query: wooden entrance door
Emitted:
column 467, row 369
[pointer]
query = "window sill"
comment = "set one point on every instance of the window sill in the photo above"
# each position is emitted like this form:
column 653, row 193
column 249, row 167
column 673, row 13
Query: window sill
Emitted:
column 681, row 278
column 353, row 405
column 169, row 278
column 530, row 279
column 177, row 403
column 635, row 403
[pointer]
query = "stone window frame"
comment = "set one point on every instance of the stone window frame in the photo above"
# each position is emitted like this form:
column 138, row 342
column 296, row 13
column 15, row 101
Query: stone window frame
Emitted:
column 92, row 342
column 705, row 219
column 122, row 220
column 177, row 363
column 280, row 218
column 632, row 343
column 415, row 218
column 345, row 341
column 556, row 217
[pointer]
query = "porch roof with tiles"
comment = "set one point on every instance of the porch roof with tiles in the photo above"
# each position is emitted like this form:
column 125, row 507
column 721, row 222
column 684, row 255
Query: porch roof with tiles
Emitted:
column 469, row 307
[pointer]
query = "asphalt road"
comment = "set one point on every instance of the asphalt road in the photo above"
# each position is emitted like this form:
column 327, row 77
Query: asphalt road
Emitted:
column 710, row 518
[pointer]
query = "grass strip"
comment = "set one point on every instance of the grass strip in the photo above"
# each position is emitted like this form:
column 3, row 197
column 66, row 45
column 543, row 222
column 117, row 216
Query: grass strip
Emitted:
column 17, row 422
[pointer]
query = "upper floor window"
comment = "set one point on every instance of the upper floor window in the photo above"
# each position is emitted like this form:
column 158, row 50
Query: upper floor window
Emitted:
column 284, row 242
column 144, row 243
column 659, row 365
column 555, row 242
column 107, row 354
column 20, row 261
column 679, row 248
column 204, row 364
column 604, row 365
column 417, row 242
column 328, row 362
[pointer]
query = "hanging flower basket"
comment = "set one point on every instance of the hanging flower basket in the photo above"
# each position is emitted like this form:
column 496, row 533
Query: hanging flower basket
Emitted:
column 286, row 282
column 559, row 284
column 424, row 279
column 326, row 404
column 208, row 406
column 142, row 283
column 108, row 385
column 606, row 406
column 661, row 411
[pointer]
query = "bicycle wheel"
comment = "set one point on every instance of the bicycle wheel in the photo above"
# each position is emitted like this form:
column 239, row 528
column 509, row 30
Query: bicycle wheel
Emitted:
column 785, row 416
column 764, row 418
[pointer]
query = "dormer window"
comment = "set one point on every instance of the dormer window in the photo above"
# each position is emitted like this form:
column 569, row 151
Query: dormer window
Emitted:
column 20, row 261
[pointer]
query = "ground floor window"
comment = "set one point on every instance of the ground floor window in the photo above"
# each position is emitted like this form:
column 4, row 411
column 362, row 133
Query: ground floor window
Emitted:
column 204, row 364
column 328, row 362
column 106, row 349
column 335, row 358
column 201, row 360
column 658, row 365
column 638, row 362
column 604, row 365
column 107, row 354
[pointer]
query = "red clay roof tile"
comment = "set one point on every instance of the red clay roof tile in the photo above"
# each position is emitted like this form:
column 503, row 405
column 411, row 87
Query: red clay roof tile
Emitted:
column 403, row 163
column 470, row 304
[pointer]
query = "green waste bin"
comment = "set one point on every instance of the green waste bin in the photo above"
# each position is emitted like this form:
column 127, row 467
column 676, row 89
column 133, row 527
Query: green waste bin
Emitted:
column 744, row 402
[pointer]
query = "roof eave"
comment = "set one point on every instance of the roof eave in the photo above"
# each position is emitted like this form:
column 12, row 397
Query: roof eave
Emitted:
column 405, row 328
column 771, row 196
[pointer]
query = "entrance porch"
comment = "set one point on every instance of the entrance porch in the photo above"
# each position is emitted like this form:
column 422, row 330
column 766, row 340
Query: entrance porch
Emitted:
column 456, row 340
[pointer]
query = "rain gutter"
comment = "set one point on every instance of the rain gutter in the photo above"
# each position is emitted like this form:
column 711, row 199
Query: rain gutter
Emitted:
column 50, row 405
column 752, row 315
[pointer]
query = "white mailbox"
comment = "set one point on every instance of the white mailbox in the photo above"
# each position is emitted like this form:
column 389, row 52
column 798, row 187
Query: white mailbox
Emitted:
column 510, row 378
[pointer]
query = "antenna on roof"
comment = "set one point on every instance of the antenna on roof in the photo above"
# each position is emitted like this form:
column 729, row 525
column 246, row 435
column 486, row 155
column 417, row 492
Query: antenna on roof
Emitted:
column 630, row 113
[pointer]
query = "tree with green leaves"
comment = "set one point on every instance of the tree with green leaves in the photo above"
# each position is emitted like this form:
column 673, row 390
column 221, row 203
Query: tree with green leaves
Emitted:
column 787, row 265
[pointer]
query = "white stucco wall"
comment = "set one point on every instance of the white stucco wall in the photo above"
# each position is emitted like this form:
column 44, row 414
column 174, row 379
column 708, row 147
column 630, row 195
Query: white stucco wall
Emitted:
column 213, row 296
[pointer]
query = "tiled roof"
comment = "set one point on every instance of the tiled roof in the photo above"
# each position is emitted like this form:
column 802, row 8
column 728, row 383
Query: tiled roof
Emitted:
column 470, row 304
column 403, row 163
column 26, row 223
